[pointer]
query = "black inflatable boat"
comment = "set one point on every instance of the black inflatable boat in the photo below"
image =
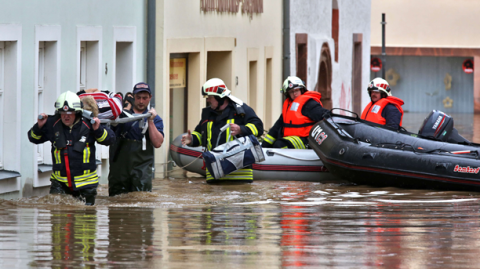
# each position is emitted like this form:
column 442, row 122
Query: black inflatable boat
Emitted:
column 370, row 154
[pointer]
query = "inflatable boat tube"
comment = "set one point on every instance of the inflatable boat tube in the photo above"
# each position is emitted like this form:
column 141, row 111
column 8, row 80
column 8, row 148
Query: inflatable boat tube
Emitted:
column 279, row 164
column 370, row 154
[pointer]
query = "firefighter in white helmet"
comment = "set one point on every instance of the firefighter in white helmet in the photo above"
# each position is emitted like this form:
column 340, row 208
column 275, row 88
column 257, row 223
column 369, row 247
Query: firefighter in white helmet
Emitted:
column 224, row 109
column 73, row 140
column 384, row 108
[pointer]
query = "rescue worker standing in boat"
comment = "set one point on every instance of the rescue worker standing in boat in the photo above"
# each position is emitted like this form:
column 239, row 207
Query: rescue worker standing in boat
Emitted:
column 73, row 147
column 301, row 110
column 224, row 109
column 384, row 108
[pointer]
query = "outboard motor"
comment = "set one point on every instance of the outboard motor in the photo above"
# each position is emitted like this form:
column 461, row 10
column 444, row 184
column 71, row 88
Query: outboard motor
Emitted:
column 439, row 126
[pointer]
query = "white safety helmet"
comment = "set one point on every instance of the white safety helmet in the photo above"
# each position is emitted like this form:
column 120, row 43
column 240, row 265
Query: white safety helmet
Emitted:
column 292, row 82
column 215, row 87
column 379, row 85
column 68, row 102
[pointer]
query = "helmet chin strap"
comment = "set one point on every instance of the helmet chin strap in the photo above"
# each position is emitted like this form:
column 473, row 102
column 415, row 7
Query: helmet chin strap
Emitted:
column 220, row 101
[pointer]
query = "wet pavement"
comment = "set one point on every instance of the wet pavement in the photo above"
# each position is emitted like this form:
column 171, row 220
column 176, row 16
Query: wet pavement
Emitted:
column 186, row 223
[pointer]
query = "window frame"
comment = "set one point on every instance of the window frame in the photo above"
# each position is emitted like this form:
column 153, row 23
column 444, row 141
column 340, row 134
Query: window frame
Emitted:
column 40, row 91
column 2, row 85
column 83, row 66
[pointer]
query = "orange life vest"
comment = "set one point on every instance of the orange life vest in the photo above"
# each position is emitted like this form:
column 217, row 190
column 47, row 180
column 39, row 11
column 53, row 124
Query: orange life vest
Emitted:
column 373, row 111
column 294, row 122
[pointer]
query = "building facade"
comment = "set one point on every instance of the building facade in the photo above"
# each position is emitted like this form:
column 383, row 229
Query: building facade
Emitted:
column 253, row 45
column 239, row 42
column 49, row 47
column 430, row 46
column 329, row 46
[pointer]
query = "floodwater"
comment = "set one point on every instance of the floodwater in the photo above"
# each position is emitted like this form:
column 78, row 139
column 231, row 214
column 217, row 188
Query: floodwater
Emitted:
column 186, row 223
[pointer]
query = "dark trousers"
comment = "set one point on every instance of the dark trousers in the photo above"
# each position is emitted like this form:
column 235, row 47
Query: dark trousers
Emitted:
column 130, row 167
column 88, row 195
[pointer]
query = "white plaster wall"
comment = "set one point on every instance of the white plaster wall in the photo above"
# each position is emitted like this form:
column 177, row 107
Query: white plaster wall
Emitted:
column 426, row 23
column 315, row 18
column 262, row 30
column 354, row 18
column 69, row 15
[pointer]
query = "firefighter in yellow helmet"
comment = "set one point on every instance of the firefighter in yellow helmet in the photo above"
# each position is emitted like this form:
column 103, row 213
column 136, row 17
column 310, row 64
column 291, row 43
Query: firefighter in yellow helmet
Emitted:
column 301, row 110
column 224, row 109
column 73, row 140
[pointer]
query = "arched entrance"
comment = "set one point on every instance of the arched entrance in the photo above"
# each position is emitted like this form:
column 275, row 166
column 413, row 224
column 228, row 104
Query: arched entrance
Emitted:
column 324, row 80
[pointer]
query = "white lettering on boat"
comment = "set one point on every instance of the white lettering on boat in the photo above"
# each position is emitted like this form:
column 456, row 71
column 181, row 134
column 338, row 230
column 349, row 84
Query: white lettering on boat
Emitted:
column 467, row 169
column 437, row 122
column 320, row 138
column 316, row 131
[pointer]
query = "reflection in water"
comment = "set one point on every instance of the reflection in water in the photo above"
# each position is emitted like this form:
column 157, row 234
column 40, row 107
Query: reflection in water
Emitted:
column 268, row 224
column 186, row 223
column 73, row 236
column 130, row 235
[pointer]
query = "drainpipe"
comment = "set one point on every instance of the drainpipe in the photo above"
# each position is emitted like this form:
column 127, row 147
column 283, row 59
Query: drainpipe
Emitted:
column 151, row 48
column 286, row 39
column 384, row 54
column 151, row 57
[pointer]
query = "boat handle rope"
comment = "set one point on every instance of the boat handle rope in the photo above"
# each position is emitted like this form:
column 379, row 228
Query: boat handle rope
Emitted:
column 356, row 115
column 402, row 146
column 291, row 157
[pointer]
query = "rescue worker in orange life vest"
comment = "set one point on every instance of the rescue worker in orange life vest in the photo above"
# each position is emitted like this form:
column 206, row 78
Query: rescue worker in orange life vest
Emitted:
column 301, row 110
column 384, row 108
column 73, row 147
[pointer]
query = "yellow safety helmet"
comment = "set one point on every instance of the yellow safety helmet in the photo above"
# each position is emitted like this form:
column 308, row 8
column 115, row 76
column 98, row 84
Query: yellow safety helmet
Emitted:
column 68, row 102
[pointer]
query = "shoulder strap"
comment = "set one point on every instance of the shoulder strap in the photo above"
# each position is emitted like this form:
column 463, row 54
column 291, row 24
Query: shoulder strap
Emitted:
column 59, row 135
column 81, row 139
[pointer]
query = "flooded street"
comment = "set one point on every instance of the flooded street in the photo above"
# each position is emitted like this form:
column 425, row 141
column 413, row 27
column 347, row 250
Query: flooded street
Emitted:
column 186, row 223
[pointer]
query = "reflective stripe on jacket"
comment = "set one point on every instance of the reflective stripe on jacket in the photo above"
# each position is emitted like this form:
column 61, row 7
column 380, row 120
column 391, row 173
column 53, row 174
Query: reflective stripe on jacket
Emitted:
column 373, row 111
column 207, row 133
column 295, row 123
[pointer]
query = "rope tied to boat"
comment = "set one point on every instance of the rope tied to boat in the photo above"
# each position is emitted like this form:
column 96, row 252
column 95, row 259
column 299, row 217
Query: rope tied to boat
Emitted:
column 404, row 146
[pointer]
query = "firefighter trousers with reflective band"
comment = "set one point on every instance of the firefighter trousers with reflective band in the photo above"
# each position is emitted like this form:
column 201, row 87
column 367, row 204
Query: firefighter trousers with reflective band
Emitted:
column 87, row 194
column 130, row 167
column 291, row 142
column 241, row 175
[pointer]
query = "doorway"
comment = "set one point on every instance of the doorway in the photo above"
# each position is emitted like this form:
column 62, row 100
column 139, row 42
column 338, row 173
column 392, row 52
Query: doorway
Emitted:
column 324, row 81
column 178, row 113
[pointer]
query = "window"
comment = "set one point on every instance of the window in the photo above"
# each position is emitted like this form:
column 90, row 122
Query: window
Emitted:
column 268, row 122
column 301, row 56
column 89, row 65
column 83, row 64
column 335, row 26
column 2, row 85
column 46, row 88
column 252, row 85
column 40, row 88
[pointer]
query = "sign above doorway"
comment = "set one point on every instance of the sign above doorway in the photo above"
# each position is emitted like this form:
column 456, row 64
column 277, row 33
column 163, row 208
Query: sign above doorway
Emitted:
column 178, row 72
